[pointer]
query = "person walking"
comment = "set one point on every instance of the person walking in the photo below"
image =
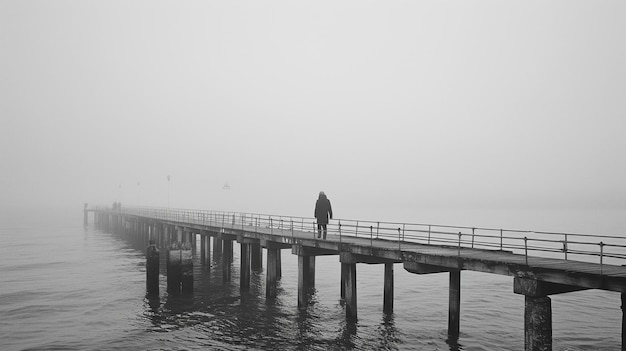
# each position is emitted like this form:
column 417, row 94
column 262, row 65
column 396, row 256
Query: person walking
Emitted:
column 322, row 211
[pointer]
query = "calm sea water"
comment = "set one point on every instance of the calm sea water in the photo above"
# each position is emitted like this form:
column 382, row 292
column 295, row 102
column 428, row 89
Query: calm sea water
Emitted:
column 64, row 286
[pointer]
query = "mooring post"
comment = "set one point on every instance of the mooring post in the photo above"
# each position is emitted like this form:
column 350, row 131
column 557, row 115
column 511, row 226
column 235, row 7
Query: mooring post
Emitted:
column 454, row 308
column 388, row 290
column 244, row 276
column 186, row 268
column 173, row 268
column 537, row 323
column 152, row 269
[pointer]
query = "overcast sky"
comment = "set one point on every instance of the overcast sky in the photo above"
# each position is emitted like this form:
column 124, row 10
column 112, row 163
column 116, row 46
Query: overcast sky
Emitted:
column 381, row 104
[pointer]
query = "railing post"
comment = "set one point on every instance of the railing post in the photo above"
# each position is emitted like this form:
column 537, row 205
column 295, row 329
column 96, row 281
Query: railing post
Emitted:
column 377, row 227
column 371, row 236
column 292, row 228
column 601, row 257
column 459, row 248
column 501, row 240
column 428, row 235
column 473, row 229
column 271, row 226
column 565, row 247
column 526, row 249
column 399, row 240
column 340, row 234
column 356, row 229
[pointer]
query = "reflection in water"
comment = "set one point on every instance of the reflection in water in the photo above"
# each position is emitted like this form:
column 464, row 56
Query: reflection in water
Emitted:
column 220, row 312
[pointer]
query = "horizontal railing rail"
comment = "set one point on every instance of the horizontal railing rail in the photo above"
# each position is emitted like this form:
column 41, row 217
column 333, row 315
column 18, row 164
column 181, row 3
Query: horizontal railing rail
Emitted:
column 603, row 249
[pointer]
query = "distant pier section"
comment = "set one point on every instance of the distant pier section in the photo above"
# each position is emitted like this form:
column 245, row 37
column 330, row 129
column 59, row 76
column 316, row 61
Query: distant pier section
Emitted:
column 541, row 264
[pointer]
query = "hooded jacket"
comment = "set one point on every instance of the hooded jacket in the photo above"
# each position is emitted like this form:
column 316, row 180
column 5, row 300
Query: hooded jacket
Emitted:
column 323, row 209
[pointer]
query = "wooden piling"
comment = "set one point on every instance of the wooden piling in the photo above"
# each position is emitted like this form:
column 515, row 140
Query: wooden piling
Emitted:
column 152, row 269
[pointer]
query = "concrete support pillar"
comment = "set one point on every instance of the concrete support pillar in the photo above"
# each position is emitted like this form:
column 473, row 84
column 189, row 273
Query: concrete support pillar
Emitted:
column 179, row 235
column 623, row 321
column 226, row 259
column 342, row 283
column 173, row 269
column 454, row 305
column 350, row 290
column 152, row 270
column 279, row 269
column 186, row 267
column 205, row 249
column 306, row 278
column 537, row 323
column 388, row 292
column 85, row 216
column 272, row 272
column 244, row 276
column 256, row 256
column 217, row 246
column 202, row 247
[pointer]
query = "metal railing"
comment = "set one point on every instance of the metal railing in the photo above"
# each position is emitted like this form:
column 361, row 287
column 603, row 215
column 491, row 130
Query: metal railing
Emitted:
column 600, row 249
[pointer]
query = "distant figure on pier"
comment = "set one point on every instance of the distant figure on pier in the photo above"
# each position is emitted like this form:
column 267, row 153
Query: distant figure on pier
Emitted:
column 322, row 211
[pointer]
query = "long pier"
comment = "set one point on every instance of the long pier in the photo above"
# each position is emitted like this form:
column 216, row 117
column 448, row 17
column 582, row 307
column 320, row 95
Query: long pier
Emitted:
column 541, row 263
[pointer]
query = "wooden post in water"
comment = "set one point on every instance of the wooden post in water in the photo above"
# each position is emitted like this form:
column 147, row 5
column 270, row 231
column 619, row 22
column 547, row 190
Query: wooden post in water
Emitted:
column 186, row 268
column 152, row 269
column 388, row 291
column 537, row 323
column 244, row 276
column 173, row 268
column 454, row 308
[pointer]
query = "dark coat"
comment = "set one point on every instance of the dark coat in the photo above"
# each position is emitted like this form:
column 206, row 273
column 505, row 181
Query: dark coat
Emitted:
column 323, row 210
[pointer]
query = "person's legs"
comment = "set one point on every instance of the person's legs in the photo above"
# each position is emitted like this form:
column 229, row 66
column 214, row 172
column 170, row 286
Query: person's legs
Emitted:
column 324, row 226
column 319, row 230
